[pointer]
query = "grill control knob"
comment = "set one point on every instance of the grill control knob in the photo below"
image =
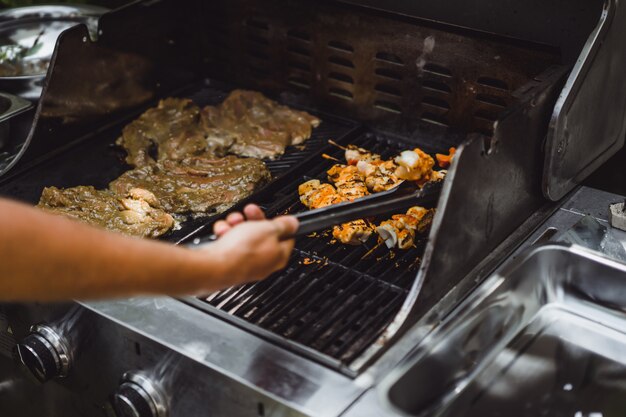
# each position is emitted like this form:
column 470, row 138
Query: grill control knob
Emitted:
column 138, row 396
column 45, row 353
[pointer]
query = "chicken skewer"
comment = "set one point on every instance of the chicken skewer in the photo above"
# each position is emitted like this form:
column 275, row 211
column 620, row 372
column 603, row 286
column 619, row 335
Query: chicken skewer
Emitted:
column 401, row 229
column 353, row 154
column 382, row 175
column 350, row 185
column 314, row 195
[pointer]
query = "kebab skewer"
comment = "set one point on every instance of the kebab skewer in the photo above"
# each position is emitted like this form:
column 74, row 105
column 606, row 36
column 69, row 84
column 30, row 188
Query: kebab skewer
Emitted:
column 401, row 229
column 314, row 195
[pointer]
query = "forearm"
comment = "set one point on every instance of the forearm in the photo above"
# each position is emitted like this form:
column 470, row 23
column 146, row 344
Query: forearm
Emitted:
column 46, row 257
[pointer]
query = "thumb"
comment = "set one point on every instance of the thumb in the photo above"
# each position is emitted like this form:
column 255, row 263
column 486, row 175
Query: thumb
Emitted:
column 286, row 226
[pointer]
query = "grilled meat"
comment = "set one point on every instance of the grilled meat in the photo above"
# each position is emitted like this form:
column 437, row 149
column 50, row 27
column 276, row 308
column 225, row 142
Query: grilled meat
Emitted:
column 444, row 160
column 135, row 213
column 414, row 165
column 353, row 154
column 379, row 175
column 171, row 128
column 261, row 127
column 350, row 186
column 197, row 185
column 401, row 229
column 246, row 124
column 355, row 232
column 348, row 181
column 438, row 175
column 314, row 194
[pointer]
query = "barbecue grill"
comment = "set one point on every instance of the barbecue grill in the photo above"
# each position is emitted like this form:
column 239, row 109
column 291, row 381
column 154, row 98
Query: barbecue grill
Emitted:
column 511, row 86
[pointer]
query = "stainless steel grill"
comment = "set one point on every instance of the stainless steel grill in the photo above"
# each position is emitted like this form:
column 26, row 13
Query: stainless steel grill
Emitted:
column 509, row 83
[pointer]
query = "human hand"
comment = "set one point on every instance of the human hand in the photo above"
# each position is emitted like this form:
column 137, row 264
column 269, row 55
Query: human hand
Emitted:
column 253, row 249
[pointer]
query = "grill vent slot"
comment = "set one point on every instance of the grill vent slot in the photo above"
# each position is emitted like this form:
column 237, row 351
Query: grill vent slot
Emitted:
column 386, row 89
column 340, row 93
column 299, row 83
column 387, row 106
column 436, row 86
column 341, row 46
column 438, row 70
column 299, row 50
column 435, row 119
column 299, row 35
column 338, row 76
column 436, row 102
column 389, row 73
column 491, row 100
column 344, row 62
column 485, row 115
column 389, row 58
column 493, row 83
column 302, row 66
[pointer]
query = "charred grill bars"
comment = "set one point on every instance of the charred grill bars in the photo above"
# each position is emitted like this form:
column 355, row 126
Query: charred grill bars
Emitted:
column 399, row 82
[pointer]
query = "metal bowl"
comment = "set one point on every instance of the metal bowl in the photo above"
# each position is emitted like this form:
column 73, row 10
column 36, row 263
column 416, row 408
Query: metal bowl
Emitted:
column 27, row 39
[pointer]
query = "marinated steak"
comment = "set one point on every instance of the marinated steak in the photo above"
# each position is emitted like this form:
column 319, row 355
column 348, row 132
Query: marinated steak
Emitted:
column 196, row 185
column 171, row 128
column 261, row 127
column 137, row 212
column 245, row 124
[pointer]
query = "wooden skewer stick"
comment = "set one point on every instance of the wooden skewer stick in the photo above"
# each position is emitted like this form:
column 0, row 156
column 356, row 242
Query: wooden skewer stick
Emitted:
column 376, row 246
column 332, row 158
column 332, row 142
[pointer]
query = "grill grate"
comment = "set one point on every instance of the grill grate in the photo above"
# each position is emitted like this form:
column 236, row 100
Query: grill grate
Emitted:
column 332, row 301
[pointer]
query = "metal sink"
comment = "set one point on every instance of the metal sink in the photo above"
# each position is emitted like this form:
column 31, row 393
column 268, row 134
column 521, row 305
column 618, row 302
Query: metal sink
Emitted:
column 546, row 335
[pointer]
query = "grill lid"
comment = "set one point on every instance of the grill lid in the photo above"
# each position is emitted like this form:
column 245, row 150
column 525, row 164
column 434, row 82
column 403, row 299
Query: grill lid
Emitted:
column 589, row 120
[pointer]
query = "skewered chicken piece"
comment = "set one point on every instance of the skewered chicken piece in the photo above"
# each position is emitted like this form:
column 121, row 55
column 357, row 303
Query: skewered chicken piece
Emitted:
column 354, row 232
column 438, row 175
column 379, row 175
column 414, row 165
column 354, row 154
column 348, row 180
column 444, row 160
column 350, row 185
column 401, row 229
column 314, row 194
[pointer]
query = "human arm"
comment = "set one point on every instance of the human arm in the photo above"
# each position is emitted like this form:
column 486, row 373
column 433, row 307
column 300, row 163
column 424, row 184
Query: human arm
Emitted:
column 46, row 257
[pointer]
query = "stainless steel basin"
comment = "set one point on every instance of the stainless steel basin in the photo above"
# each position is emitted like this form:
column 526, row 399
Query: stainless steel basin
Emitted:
column 546, row 335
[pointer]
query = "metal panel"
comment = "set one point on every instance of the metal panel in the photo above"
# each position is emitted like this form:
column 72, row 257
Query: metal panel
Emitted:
column 589, row 120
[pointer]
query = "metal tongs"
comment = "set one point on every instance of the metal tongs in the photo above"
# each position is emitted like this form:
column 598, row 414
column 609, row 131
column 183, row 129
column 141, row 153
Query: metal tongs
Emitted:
column 389, row 202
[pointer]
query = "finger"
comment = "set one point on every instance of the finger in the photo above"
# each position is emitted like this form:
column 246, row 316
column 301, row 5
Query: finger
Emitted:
column 253, row 212
column 285, row 226
column 235, row 218
column 286, row 248
column 220, row 227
